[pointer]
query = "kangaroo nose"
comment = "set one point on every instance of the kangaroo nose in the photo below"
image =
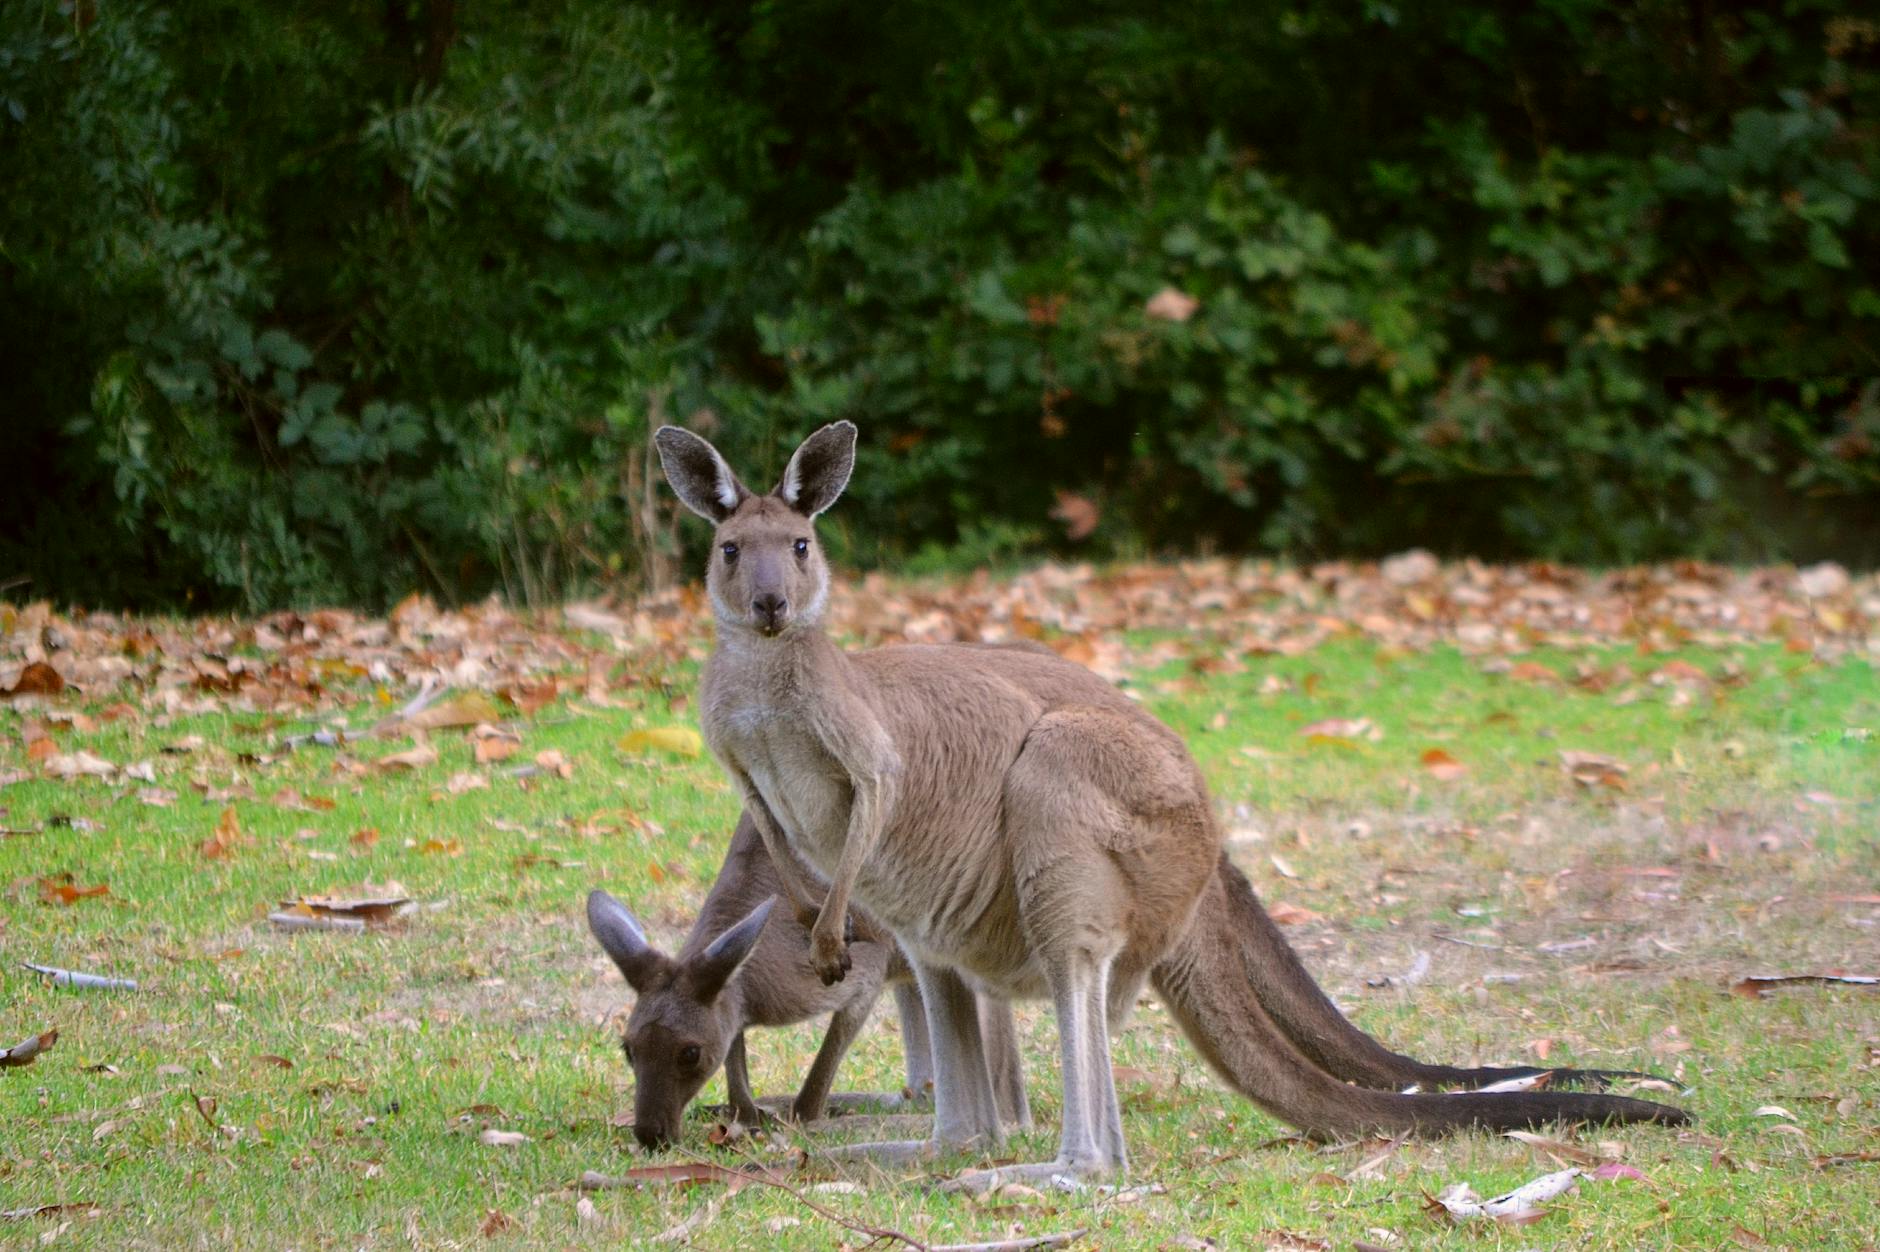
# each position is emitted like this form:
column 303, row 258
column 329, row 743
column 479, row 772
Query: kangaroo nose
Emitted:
column 770, row 607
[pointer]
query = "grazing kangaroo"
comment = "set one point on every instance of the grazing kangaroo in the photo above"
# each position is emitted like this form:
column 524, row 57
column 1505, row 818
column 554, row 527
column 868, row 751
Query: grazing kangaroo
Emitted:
column 739, row 968
column 1013, row 819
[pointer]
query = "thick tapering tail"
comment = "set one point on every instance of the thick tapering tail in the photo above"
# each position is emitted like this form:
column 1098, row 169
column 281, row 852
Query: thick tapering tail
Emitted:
column 1303, row 1012
column 1209, row 985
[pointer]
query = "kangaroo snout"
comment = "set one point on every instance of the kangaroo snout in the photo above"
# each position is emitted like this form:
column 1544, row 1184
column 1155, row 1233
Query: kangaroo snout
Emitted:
column 771, row 611
column 651, row 1137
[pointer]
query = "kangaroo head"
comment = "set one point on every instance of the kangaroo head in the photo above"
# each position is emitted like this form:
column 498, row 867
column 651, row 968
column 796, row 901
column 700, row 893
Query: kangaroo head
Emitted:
column 767, row 573
column 682, row 1022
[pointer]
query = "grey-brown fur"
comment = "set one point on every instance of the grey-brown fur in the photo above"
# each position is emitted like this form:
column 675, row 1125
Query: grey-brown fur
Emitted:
column 692, row 1001
column 1015, row 822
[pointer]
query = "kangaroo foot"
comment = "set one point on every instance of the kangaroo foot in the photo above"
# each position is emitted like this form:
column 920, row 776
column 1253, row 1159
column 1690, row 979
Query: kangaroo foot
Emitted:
column 843, row 1103
column 1059, row 1175
column 887, row 1152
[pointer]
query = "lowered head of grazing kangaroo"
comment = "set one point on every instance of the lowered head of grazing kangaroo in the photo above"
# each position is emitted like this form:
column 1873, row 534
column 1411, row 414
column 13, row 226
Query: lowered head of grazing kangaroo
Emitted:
column 683, row 1023
column 1020, row 826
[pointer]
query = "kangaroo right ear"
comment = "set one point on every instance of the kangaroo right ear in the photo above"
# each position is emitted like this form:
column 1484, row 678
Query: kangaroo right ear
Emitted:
column 623, row 938
column 712, row 969
column 700, row 477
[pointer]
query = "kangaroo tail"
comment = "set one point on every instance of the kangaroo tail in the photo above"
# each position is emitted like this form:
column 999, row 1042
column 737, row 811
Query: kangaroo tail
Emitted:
column 1307, row 1016
column 1211, row 981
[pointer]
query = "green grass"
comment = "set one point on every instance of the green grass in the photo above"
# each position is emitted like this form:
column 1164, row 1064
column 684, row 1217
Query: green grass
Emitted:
column 1746, row 808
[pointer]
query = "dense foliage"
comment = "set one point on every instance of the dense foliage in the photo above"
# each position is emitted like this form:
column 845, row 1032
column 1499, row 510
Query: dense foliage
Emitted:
column 324, row 302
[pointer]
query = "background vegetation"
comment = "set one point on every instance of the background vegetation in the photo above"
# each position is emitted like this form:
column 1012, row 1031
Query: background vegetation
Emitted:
column 322, row 302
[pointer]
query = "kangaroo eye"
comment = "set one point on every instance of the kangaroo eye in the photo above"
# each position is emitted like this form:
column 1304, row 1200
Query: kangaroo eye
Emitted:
column 688, row 1056
column 731, row 551
column 802, row 547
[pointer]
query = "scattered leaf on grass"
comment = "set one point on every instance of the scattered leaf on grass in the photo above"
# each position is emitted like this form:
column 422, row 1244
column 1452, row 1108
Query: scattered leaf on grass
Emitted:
column 553, row 761
column 365, row 911
column 494, row 1138
column 472, row 708
column 288, row 798
column 495, row 1222
column 78, row 764
column 677, row 740
column 441, row 847
column 467, row 780
column 490, row 744
column 27, row 1051
column 226, row 837
column 1337, row 729
column 531, row 698
column 1594, row 769
column 1292, row 914
column 364, row 837
column 1754, row 986
column 1532, row 672
column 37, row 679
column 1443, row 766
column 417, row 757
column 60, row 889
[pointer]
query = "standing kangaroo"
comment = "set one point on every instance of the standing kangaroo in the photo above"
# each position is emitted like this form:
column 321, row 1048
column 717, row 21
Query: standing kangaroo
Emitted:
column 739, row 968
column 1012, row 819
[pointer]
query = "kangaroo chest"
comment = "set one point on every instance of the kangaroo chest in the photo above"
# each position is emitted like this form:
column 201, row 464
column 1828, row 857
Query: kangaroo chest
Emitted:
column 804, row 787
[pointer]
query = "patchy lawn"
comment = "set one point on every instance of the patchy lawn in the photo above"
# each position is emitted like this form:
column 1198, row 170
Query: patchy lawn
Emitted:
column 1509, row 815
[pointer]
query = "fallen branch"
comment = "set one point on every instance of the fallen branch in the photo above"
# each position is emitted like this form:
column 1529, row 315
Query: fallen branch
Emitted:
column 73, row 978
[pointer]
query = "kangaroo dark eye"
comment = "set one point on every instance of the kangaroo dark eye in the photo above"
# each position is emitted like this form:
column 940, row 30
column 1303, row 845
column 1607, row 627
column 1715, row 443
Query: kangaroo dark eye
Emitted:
column 802, row 547
column 688, row 1056
column 730, row 550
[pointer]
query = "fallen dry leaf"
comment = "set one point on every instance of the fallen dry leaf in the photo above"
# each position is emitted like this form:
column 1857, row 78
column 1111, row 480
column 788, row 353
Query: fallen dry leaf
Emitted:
column 677, row 740
column 1292, row 914
column 552, row 761
column 27, row 1051
column 417, row 757
column 226, row 837
column 495, row 1222
column 1443, row 766
column 490, row 744
column 37, row 679
column 60, row 889
column 494, row 1138
column 1594, row 769
column 78, row 764
column 1342, row 728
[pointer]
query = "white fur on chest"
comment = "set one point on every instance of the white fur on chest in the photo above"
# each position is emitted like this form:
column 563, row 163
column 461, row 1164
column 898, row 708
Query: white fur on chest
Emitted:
column 801, row 783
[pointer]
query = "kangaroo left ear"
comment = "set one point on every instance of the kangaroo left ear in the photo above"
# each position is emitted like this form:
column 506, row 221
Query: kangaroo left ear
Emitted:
column 819, row 469
column 707, row 973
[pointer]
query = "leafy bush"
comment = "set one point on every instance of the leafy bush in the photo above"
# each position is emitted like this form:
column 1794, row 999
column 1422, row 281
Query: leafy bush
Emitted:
column 312, row 305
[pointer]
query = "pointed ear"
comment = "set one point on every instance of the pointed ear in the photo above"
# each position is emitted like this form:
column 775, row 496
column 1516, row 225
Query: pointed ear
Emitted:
column 701, row 478
column 622, row 938
column 819, row 469
column 710, row 970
